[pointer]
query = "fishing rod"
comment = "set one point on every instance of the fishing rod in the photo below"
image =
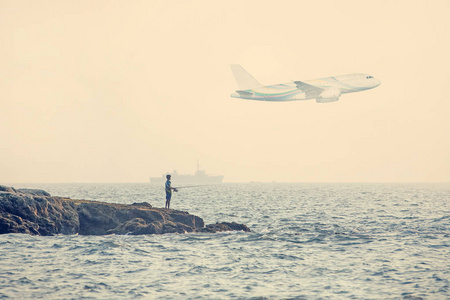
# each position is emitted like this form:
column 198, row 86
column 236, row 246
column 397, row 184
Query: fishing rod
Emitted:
column 191, row 186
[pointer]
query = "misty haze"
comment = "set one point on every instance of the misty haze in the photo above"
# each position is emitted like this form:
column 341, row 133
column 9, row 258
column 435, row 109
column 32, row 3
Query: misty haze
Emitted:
column 202, row 149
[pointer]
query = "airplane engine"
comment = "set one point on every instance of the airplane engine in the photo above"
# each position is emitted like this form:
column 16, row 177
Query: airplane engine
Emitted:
column 329, row 95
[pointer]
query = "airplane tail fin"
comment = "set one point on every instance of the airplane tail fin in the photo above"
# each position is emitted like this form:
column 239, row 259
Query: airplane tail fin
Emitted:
column 244, row 80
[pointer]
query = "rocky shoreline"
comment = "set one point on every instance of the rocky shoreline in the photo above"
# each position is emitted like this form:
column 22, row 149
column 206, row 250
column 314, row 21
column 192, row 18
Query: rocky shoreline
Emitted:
column 36, row 212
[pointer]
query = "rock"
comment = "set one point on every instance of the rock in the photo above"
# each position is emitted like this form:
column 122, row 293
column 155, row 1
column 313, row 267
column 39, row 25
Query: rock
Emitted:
column 36, row 212
column 224, row 226
column 26, row 213
column 144, row 204
column 137, row 226
column 7, row 189
column 33, row 192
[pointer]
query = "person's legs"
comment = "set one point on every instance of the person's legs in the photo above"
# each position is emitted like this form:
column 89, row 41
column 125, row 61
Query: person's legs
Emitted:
column 168, row 201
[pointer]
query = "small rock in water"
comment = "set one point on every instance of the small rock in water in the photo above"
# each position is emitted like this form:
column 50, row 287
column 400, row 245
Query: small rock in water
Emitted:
column 225, row 226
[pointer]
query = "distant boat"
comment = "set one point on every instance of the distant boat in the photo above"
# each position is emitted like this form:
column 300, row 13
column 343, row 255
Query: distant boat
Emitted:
column 199, row 177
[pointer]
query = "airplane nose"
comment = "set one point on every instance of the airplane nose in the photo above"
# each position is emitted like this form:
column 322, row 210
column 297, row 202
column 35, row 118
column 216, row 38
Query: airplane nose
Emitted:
column 377, row 82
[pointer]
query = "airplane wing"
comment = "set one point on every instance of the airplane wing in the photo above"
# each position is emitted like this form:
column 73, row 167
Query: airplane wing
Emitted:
column 307, row 88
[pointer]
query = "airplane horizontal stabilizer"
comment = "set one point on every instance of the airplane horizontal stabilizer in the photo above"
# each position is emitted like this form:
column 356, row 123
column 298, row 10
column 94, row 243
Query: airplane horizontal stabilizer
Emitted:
column 244, row 93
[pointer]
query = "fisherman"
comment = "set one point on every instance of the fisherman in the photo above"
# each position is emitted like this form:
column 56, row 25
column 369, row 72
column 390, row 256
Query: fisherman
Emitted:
column 169, row 189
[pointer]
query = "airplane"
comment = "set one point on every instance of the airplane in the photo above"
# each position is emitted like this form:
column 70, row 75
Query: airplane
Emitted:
column 324, row 90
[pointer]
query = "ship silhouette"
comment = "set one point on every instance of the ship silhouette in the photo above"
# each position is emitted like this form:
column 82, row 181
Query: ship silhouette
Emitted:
column 200, row 176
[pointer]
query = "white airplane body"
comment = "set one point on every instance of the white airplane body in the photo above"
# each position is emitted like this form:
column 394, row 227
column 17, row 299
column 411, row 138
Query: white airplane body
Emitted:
column 324, row 90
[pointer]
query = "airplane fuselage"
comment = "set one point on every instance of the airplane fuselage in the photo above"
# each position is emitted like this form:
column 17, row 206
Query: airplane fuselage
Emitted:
column 326, row 89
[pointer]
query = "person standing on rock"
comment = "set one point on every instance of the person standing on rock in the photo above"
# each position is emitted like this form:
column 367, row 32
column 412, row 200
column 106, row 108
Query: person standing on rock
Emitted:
column 169, row 189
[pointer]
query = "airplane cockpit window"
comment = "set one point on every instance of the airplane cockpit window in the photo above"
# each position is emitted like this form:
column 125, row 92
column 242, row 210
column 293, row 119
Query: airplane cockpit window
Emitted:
column 368, row 77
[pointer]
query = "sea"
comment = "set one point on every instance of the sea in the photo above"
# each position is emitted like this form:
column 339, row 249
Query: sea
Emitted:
column 307, row 241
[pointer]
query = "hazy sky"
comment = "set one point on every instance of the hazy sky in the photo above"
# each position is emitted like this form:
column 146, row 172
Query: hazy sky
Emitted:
column 117, row 91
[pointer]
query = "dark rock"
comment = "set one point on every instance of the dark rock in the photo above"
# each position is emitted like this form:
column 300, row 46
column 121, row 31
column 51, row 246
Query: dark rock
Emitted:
column 225, row 226
column 34, row 192
column 7, row 189
column 36, row 212
column 26, row 213
column 145, row 204
column 137, row 226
